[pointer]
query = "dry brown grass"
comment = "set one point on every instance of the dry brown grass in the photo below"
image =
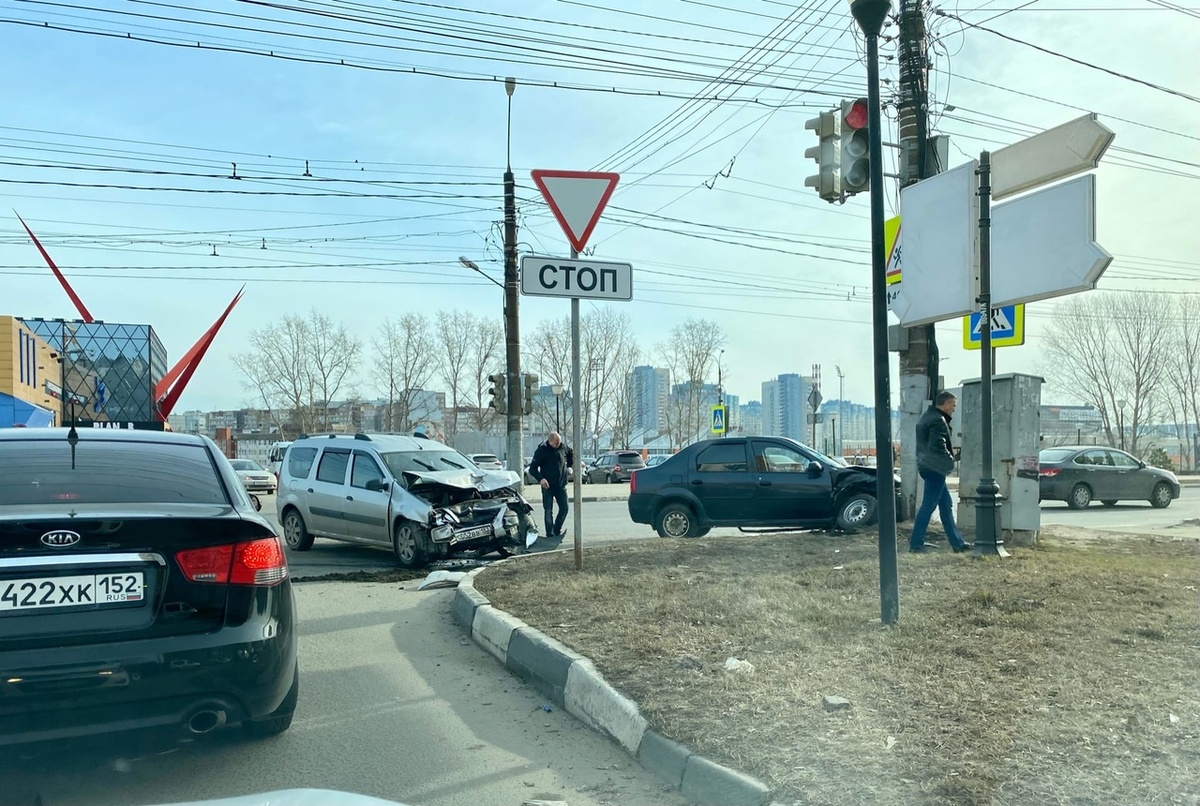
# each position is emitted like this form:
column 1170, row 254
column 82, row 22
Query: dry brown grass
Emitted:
column 1049, row 678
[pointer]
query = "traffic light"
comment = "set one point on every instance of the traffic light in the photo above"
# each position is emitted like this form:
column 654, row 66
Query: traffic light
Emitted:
column 499, row 393
column 827, row 153
column 531, row 382
column 855, row 147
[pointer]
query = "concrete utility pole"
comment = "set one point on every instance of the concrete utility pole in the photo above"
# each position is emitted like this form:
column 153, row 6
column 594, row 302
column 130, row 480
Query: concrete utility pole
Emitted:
column 512, row 296
column 919, row 362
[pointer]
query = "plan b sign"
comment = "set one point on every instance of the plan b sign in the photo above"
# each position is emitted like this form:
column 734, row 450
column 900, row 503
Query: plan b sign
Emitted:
column 580, row 279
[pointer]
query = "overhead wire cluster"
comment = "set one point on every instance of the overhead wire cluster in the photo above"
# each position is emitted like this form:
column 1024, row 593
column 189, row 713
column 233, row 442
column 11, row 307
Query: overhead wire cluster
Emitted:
column 717, row 72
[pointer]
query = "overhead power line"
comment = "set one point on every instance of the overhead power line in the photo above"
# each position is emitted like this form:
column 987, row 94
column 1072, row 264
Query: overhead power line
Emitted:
column 1072, row 59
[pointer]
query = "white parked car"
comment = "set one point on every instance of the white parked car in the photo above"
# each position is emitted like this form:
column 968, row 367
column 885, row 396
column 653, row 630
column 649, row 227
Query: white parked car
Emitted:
column 255, row 477
column 486, row 461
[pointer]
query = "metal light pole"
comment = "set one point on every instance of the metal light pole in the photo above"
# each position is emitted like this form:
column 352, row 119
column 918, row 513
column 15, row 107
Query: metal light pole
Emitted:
column 512, row 327
column 870, row 15
column 556, row 389
column 720, row 385
column 987, row 493
column 837, row 436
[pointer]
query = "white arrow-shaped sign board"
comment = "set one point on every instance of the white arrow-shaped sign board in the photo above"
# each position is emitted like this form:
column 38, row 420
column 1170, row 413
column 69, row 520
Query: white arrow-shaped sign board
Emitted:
column 1054, row 154
column 1044, row 244
column 938, row 238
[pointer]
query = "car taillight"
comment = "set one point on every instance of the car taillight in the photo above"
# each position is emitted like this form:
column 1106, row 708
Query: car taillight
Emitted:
column 254, row 562
column 1049, row 472
column 633, row 482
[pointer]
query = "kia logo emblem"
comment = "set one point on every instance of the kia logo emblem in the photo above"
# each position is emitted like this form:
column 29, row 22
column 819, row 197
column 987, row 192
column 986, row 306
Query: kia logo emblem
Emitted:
column 60, row 539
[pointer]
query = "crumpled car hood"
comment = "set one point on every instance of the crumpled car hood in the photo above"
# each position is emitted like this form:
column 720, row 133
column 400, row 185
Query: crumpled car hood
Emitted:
column 482, row 480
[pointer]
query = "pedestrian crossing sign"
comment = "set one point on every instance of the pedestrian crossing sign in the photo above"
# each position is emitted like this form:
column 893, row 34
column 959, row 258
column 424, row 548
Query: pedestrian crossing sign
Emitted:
column 1008, row 327
column 720, row 420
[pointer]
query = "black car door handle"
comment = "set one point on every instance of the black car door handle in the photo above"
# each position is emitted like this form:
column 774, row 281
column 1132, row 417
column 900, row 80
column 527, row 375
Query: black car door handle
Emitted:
column 764, row 483
column 310, row 489
column 349, row 498
column 697, row 482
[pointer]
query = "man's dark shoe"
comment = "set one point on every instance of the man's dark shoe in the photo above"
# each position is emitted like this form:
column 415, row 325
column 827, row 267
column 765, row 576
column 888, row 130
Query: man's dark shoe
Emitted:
column 963, row 547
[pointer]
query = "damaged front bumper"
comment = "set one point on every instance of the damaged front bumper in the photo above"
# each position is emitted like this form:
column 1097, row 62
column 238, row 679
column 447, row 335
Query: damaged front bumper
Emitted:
column 480, row 525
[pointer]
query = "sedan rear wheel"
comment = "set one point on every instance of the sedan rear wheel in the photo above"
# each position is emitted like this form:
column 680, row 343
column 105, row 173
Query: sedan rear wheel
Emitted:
column 1080, row 497
column 677, row 520
column 1160, row 498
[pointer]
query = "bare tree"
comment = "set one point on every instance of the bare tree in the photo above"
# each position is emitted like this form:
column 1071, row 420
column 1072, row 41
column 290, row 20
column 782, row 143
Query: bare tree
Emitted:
column 548, row 355
column 1182, row 391
column 454, row 333
column 1111, row 351
column 691, row 356
column 405, row 360
column 298, row 366
column 484, row 357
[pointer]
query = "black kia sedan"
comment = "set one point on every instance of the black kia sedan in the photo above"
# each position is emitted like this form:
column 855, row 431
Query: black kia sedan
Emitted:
column 138, row 589
column 753, row 483
column 1084, row 473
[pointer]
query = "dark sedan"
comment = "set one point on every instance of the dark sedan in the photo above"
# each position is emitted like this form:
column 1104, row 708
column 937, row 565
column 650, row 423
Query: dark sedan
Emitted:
column 1083, row 473
column 138, row 589
column 754, row 483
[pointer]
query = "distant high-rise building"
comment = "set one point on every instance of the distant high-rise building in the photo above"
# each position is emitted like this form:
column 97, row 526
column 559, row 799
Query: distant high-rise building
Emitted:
column 649, row 393
column 785, row 407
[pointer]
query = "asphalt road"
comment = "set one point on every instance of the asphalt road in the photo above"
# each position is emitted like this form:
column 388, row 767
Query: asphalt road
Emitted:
column 395, row 703
column 607, row 522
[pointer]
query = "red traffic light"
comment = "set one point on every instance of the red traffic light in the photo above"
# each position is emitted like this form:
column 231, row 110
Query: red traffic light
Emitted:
column 856, row 116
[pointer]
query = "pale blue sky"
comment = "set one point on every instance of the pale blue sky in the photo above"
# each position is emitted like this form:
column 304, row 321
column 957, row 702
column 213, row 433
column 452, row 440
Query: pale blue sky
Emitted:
column 189, row 110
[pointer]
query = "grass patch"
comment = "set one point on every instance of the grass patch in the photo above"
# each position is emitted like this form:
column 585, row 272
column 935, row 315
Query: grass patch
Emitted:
column 1049, row 678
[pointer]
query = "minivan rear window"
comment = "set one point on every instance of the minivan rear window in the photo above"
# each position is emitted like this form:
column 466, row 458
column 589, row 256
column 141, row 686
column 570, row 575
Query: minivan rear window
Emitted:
column 107, row 472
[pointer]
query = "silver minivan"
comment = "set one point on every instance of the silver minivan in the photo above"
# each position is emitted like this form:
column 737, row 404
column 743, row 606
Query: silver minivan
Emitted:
column 420, row 498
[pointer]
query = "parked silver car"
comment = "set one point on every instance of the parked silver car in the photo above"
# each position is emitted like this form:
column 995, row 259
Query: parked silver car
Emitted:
column 414, row 495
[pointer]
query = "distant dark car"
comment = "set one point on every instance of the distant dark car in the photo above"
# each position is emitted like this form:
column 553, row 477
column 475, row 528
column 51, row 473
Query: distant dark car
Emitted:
column 138, row 589
column 754, row 483
column 614, row 467
column 1083, row 473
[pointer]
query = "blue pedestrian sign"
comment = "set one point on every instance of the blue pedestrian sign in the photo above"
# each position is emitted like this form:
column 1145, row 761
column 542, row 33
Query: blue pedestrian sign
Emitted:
column 1008, row 327
column 720, row 420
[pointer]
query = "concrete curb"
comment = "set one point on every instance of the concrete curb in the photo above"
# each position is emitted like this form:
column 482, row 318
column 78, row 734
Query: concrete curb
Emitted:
column 573, row 683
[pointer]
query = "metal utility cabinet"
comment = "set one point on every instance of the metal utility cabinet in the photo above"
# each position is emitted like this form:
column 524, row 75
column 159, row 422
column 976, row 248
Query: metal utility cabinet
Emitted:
column 1016, row 437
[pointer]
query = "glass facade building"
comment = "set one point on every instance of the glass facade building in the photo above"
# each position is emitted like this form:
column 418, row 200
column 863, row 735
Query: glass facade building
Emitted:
column 109, row 370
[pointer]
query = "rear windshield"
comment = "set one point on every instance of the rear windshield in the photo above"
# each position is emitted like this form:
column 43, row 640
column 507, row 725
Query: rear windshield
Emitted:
column 107, row 472
column 629, row 459
column 1053, row 455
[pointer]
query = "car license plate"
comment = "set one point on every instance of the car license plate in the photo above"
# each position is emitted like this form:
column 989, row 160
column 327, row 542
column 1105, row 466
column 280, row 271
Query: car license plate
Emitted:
column 471, row 534
column 82, row 589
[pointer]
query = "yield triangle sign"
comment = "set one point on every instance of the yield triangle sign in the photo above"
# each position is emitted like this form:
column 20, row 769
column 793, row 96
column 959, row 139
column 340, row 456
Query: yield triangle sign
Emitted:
column 576, row 198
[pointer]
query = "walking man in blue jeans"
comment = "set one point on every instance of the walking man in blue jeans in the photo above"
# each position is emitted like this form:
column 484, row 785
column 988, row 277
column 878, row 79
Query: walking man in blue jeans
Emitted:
column 935, row 461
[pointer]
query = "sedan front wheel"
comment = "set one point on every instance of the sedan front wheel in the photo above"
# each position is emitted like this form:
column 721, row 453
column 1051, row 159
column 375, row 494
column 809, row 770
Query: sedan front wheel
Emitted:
column 1160, row 498
column 856, row 511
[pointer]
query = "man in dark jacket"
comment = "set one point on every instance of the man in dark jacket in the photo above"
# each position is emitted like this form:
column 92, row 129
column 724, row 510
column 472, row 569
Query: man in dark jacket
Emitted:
column 549, row 466
column 935, row 461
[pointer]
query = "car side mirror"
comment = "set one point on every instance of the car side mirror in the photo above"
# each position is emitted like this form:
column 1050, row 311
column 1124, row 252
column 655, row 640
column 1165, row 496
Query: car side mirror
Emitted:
column 377, row 485
column 815, row 468
column 1141, row 465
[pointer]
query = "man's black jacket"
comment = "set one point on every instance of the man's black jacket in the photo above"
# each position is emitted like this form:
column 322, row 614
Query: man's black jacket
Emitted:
column 551, row 463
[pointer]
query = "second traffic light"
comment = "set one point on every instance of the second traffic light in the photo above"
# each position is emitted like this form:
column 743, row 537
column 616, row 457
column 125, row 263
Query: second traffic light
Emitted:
column 855, row 147
column 499, row 393
column 827, row 154
column 531, row 382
